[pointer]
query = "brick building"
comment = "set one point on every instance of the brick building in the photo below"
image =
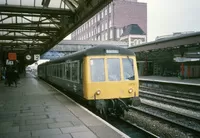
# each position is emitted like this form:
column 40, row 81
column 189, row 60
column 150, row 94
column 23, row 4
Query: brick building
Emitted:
column 108, row 24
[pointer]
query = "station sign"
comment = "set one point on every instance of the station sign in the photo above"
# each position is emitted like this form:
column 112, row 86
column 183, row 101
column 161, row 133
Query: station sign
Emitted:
column 12, row 56
column 9, row 62
column 36, row 57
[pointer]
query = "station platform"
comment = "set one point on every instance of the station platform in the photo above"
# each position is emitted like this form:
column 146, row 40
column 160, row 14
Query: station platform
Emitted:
column 173, row 80
column 34, row 109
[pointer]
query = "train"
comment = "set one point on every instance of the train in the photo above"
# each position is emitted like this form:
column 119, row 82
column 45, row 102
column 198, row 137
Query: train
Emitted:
column 106, row 77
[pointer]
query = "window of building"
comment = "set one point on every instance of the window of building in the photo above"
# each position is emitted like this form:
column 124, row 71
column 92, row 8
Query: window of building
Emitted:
column 102, row 14
column 89, row 23
column 106, row 35
column 121, row 31
column 98, row 16
column 98, row 29
column 95, row 30
column 95, row 19
column 106, row 10
column 110, row 23
column 109, row 8
column 111, row 33
column 117, row 32
column 106, row 25
column 102, row 36
column 102, row 26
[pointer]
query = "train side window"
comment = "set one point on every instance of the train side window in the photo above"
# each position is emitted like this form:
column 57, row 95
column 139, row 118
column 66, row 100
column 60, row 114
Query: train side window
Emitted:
column 57, row 70
column 97, row 70
column 63, row 68
column 81, row 70
column 113, row 69
column 67, row 71
column 75, row 71
column 60, row 71
column 54, row 71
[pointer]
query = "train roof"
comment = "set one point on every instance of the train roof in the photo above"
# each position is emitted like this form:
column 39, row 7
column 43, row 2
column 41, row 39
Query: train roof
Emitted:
column 97, row 50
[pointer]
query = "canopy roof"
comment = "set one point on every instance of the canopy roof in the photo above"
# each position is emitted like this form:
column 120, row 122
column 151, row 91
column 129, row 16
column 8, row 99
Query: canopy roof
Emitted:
column 37, row 25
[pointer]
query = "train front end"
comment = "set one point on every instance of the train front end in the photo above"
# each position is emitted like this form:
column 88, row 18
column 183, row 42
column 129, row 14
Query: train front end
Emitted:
column 111, row 80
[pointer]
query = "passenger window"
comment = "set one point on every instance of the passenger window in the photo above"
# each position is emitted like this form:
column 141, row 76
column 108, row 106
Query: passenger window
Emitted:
column 97, row 70
column 60, row 75
column 67, row 71
column 113, row 69
column 75, row 71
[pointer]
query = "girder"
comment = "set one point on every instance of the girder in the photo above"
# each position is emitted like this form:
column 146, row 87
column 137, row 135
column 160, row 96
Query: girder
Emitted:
column 40, row 26
column 23, row 37
column 38, row 10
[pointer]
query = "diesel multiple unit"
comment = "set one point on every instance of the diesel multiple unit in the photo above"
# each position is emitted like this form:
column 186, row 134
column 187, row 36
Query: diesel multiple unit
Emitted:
column 105, row 76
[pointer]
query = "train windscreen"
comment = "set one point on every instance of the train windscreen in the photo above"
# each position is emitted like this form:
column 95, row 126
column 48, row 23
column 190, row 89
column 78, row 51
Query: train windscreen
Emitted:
column 97, row 70
column 128, row 69
column 113, row 69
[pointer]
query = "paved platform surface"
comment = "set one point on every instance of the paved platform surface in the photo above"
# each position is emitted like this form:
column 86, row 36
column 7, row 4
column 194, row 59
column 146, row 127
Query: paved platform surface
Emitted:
column 175, row 80
column 36, row 110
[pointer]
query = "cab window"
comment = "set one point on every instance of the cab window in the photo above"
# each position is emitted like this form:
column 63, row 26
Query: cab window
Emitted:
column 128, row 69
column 113, row 65
column 97, row 70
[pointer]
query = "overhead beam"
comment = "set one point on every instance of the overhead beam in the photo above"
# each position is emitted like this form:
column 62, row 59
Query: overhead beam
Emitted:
column 15, row 44
column 28, row 14
column 30, row 28
column 27, row 31
column 22, row 24
column 23, row 37
column 35, row 10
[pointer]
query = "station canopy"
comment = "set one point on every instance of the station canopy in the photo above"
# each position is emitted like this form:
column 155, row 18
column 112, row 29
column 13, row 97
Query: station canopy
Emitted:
column 38, row 25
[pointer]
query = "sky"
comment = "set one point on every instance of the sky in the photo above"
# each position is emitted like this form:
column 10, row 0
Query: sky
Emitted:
column 165, row 17
column 168, row 16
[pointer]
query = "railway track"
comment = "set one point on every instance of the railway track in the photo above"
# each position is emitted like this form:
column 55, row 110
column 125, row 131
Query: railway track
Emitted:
column 132, row 130
column 175, row 93
column 171, row 100
column 184, row 122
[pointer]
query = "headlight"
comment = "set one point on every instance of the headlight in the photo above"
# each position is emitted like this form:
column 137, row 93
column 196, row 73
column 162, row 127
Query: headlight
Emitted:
column 98, row 92
column 130, row 90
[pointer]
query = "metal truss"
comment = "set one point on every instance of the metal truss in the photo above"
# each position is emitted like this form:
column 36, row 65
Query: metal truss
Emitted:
column 39, row 28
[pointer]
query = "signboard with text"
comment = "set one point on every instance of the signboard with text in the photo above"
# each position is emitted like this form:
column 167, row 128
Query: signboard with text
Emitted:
column 12, row 56
column 36, row 57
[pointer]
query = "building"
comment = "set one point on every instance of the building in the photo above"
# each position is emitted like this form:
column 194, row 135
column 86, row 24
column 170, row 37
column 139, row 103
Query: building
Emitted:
column 133, row 35
column 108, row 24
